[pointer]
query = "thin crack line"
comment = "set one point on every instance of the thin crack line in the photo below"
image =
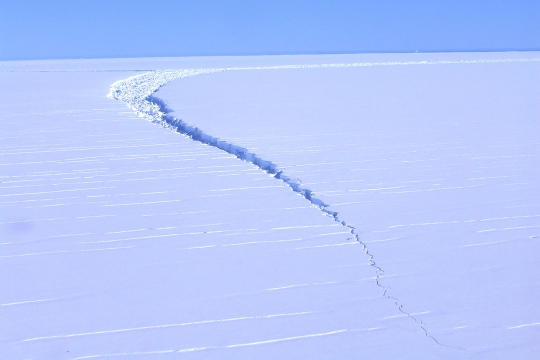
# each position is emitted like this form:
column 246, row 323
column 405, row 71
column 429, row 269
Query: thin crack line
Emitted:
column 136, row 92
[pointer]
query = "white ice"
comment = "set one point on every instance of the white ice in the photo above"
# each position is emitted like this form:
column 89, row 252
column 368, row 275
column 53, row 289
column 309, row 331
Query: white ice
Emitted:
column 122, row 239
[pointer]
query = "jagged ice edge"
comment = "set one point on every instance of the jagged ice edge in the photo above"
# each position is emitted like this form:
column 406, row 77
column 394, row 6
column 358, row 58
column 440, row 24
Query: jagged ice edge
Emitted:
column 136, row 92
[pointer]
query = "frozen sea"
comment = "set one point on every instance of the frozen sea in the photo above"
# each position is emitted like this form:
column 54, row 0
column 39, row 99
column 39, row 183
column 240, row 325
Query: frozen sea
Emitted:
column 373, row 206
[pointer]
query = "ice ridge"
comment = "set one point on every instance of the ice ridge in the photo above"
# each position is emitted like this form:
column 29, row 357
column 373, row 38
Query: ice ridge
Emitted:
column 136, row 92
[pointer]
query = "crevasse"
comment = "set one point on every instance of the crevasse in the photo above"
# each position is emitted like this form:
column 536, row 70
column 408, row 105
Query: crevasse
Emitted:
column 136, row 92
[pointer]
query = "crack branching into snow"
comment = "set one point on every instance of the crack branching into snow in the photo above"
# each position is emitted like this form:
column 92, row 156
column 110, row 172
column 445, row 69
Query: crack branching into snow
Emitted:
column 136, row 92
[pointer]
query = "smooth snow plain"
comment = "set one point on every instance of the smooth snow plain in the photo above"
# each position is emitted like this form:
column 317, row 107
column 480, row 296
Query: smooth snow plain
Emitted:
column 384, row 206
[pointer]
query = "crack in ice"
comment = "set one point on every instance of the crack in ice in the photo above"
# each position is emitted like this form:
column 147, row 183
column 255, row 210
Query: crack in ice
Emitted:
column 136, row 92
column 153, row 327
column 263, row 342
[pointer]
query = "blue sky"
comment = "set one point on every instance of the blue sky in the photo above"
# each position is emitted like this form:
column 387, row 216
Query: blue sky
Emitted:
column 120, row 28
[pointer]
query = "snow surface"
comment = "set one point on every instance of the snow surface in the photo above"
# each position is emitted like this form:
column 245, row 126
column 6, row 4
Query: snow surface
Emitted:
column 411, row 231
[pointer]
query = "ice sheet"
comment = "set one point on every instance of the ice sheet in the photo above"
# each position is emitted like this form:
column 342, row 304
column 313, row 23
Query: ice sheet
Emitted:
column 436, row 166
column 124, row 239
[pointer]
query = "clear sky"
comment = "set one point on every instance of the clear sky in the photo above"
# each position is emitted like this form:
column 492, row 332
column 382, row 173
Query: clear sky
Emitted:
column 52, row 29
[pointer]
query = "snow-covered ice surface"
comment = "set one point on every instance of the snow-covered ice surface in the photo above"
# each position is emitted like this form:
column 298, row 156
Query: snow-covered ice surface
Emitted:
column 121, row 239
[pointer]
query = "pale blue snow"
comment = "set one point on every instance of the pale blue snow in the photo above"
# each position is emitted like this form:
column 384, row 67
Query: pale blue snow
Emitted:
column 122, row 239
